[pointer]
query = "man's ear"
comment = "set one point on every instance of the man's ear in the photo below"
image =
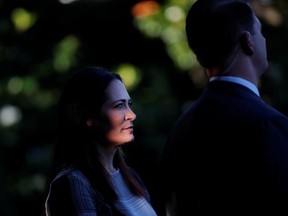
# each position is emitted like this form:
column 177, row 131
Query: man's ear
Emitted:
column 90, row 122
column 247, row 43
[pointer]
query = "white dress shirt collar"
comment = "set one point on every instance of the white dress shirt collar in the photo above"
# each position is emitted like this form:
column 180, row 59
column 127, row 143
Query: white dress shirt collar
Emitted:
column 238, row 80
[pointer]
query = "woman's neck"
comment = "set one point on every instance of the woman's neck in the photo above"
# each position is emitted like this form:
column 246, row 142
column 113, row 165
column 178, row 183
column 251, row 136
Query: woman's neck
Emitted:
column 107, row 158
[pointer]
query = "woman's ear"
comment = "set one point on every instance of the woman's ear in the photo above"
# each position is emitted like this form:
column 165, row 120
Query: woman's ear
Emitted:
column 90, row 122
column 247, row 43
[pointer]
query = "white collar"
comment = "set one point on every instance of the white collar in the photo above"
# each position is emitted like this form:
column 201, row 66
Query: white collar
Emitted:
column 237, row 80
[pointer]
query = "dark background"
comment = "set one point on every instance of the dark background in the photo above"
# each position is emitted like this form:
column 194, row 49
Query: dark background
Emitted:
column 36, row 61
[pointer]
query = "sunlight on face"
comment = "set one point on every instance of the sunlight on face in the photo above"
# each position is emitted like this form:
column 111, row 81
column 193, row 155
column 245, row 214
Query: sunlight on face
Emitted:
column 117, row 114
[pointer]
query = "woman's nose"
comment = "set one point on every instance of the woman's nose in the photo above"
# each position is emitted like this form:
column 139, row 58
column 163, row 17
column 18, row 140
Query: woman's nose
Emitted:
column 130, row 115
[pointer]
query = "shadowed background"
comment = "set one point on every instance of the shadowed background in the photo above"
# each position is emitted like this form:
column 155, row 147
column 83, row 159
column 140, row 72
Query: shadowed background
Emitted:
column 43, row 42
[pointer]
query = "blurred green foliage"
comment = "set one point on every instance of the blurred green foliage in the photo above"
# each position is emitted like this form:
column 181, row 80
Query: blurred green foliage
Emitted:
column 42, row 42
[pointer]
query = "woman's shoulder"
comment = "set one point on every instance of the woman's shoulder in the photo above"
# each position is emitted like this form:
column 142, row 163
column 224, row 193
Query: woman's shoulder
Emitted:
column 73, row 182
column 71, row 175
column 72, row 189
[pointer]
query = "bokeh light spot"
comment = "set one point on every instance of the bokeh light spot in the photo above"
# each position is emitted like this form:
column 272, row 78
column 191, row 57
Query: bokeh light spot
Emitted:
column 15, row 85
column 22, row 19
column 9, row 115
column 130, row 75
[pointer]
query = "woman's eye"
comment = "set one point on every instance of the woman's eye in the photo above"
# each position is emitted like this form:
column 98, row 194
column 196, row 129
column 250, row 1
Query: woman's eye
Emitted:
column 119, row 105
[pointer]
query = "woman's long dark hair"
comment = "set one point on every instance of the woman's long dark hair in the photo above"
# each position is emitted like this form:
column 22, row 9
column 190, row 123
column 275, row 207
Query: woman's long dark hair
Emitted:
column 81, row 99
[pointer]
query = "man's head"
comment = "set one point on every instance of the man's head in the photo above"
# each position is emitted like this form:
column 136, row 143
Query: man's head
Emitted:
column 214, row 29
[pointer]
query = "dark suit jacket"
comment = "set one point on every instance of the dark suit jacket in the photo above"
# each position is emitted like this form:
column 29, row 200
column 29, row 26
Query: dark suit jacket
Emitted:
column 227, row 155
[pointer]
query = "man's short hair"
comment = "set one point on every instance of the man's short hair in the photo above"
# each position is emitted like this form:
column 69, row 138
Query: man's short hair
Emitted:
column 213, row 28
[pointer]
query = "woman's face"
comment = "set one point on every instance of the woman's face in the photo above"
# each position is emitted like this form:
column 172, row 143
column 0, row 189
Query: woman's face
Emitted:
column 116, row 117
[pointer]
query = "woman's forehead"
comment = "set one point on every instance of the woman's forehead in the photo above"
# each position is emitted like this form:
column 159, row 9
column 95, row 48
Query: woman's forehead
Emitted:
column 116, row 91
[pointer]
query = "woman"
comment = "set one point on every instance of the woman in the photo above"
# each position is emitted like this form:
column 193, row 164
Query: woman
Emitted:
column 90, row 174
